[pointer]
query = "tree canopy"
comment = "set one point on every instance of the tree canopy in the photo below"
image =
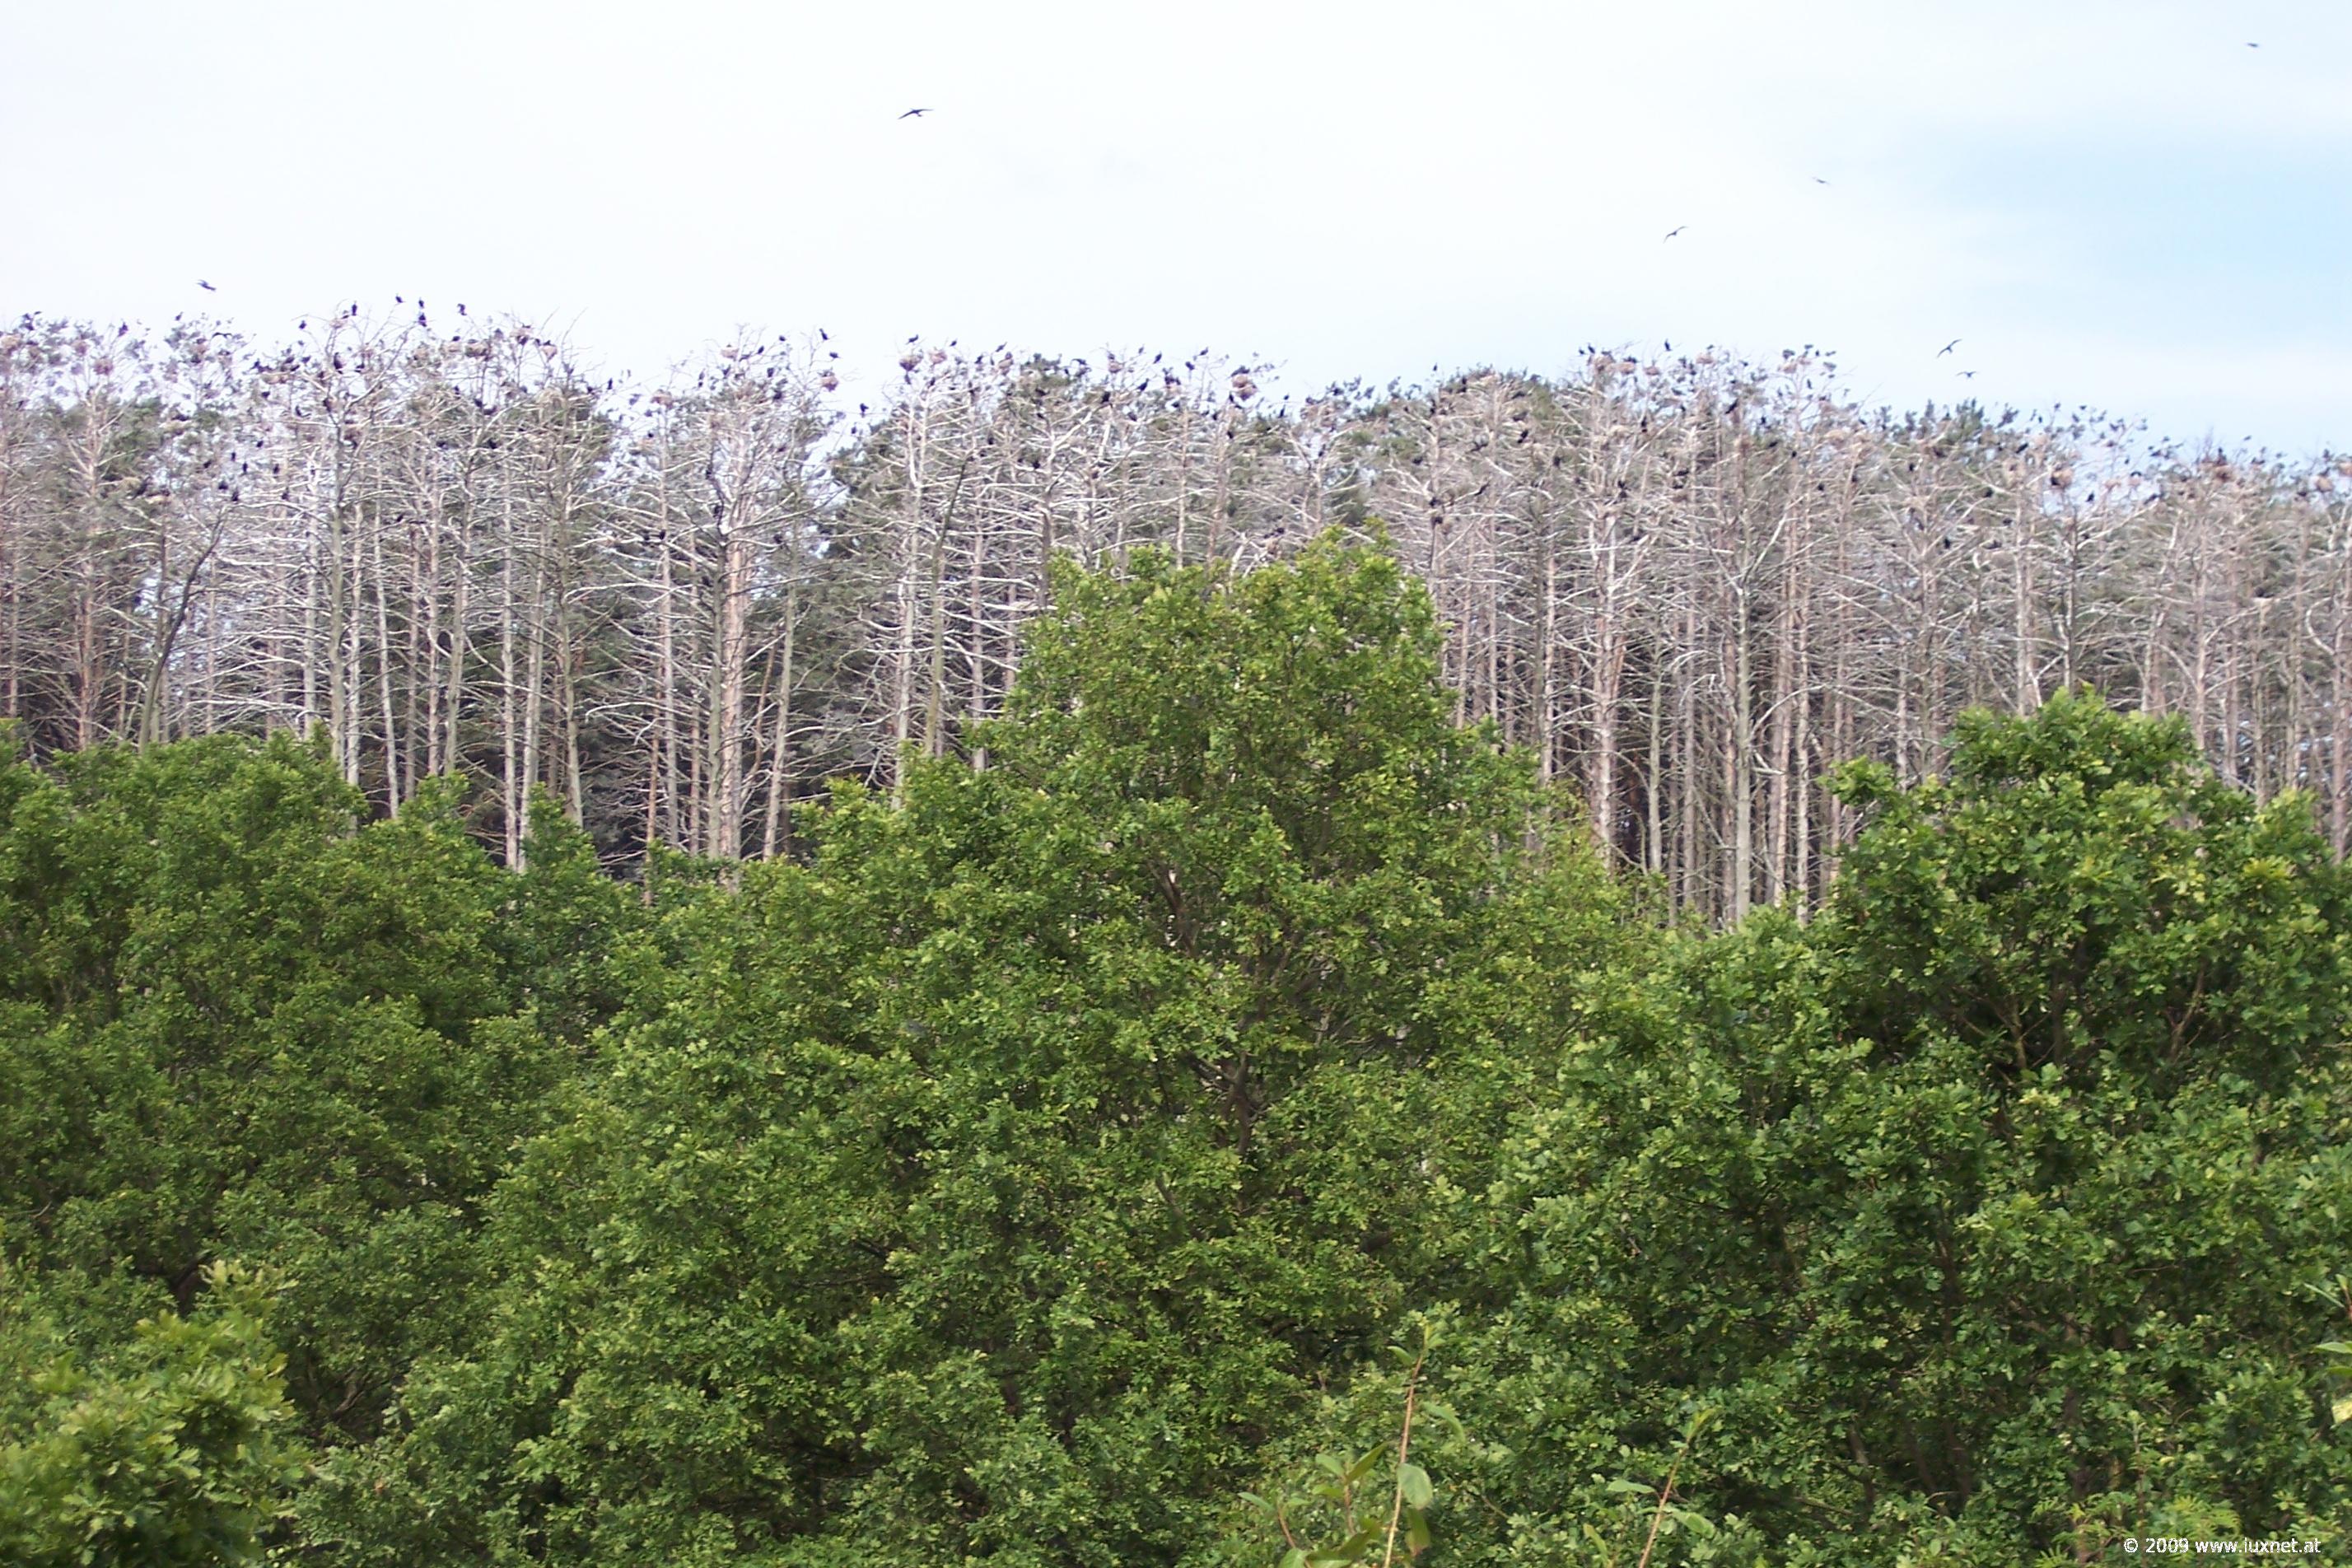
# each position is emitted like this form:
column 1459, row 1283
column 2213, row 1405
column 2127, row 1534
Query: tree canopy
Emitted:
column 1047, row 1163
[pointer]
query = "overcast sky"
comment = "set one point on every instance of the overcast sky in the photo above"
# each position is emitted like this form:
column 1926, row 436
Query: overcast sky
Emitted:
column 2113, row 203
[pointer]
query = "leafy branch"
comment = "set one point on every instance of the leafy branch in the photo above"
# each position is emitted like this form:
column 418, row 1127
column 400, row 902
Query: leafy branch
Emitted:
column 1333, row 1517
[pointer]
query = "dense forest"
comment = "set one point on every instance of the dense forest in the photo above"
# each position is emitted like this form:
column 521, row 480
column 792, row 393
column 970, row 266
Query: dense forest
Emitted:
column 1688, row 585
column 1213, row 1093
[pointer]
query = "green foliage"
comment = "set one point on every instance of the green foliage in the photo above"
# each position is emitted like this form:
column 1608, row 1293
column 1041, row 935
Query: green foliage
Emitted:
column 1006, row 1181
column 1039, row 1170
column 563, row 932
column 236, row 1019
column 173, row 1445
column 2085, row 894
column 1647, row 1519
column 1358, row 1509
column 1981, row 1205
column 2337, row 1294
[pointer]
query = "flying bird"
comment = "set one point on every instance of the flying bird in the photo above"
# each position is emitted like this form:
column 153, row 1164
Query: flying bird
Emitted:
column 1948, row 348
column 1818, row 180
column 1968, row 375
column 913, row 112
column 1672, row 232
column 206, row 287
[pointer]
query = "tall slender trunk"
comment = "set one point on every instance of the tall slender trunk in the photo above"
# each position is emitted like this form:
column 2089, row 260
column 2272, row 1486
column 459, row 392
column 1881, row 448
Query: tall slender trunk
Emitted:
column 732, row 661
column 512, row 783
column 779, row 833
column 1547, row 664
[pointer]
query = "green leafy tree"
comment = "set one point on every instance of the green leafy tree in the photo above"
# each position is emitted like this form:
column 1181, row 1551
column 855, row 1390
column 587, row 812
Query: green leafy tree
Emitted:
column 1011, row 1181
column 238, row 1019
column 174, row 1445
column 1984, row 1205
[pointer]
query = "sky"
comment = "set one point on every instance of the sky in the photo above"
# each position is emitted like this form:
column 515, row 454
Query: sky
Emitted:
column 2117, row 205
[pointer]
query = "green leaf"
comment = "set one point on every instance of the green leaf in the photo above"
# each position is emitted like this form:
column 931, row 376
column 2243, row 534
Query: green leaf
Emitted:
column 1696, row 1523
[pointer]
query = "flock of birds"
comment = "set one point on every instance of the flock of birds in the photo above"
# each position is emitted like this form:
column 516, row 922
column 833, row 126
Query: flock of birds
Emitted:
column 1948, row 348
column 1678, row 229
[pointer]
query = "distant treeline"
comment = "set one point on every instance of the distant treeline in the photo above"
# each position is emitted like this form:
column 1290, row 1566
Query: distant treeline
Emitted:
column 1689, row 584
